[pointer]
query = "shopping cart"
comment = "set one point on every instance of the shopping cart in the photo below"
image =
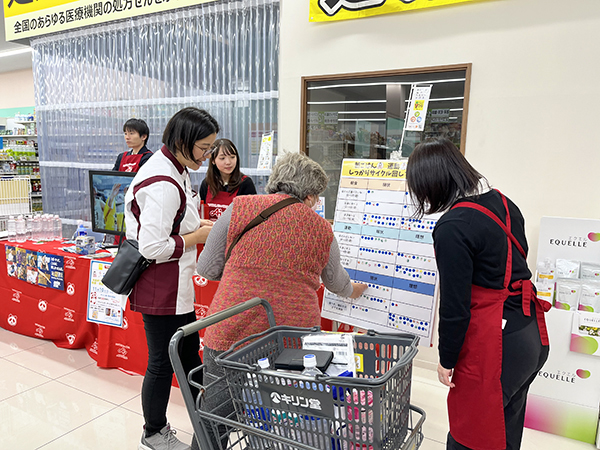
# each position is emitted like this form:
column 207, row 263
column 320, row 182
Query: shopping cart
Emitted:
column 278, row 410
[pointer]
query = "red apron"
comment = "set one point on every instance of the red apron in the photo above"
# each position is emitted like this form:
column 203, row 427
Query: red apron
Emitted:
column 131, row 163
column 475, row 407
column 219, row 203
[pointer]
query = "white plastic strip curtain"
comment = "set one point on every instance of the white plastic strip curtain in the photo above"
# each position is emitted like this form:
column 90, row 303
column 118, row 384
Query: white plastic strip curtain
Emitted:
column 221, row 56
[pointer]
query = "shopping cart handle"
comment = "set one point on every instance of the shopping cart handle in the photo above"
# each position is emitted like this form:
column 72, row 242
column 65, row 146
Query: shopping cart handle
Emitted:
column 227, row 313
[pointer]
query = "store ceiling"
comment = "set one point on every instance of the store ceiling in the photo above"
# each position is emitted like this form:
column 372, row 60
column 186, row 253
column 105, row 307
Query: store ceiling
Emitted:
column 13, row 62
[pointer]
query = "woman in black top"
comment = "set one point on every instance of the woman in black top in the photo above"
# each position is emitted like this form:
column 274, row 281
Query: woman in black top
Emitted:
column 224, row 180
column 492, row 336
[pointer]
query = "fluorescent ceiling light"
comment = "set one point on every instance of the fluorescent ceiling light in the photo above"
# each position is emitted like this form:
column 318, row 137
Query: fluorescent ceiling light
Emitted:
column 456, row 109
column 379, row 83
column 361, row 112
column 361, row 120
column 447, row 99
column 15, row 52
column 347, row 102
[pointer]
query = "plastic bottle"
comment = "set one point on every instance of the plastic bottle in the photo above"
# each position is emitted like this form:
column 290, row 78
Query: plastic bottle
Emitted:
column 29, row 227
column 310, row 366
column 57, row 228
column 80, row 229
column 21, row 229
column 37, row 227
column 47, row 228
column 11, row 228
column 263, row 363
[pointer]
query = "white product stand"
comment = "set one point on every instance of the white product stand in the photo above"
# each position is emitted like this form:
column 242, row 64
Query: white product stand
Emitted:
column 565, row 397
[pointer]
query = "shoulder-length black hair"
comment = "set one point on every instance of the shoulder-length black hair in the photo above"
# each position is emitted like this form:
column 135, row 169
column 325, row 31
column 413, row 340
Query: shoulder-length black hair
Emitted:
column 185, row 128
column 437, row 175
column 213, row 176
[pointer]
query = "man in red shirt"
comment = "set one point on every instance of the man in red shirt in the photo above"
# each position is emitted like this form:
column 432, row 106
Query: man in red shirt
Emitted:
column 136, row 136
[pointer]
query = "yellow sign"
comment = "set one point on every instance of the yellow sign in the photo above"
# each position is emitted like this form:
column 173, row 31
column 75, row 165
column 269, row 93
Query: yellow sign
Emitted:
column 28, row 18
column 330, row 10
column 359, row 361
column 374, row 169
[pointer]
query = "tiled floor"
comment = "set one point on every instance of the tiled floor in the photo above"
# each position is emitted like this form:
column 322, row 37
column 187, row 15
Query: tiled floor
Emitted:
column 56, row 399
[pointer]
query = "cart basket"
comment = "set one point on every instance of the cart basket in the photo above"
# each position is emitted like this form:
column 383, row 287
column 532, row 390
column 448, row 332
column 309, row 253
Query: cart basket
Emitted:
column 369, row 412
column 256, row 425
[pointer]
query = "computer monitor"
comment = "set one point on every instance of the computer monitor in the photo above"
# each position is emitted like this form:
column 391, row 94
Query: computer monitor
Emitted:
column 107, row 200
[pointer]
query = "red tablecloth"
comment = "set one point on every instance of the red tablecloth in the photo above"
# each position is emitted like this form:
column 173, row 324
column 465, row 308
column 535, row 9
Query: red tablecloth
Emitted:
column 57, row 315
column 60, row 315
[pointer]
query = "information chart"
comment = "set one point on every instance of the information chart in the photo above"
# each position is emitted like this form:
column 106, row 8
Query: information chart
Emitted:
column 383, row 246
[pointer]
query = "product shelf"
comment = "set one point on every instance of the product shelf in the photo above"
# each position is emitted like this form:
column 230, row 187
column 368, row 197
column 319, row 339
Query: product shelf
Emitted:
column 16, row 136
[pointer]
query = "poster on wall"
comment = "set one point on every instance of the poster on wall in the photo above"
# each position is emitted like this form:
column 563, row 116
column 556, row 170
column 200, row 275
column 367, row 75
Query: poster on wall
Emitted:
column 26, row 18
column 332, row 10
column 104, row 306
column 383, row 246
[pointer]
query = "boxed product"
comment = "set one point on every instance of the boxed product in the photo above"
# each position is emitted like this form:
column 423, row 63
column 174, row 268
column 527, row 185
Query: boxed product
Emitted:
column 85, row 245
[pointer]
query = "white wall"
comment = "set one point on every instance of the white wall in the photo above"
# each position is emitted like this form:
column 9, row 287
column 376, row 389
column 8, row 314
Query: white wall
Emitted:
column 535, row 89
column 16, row 89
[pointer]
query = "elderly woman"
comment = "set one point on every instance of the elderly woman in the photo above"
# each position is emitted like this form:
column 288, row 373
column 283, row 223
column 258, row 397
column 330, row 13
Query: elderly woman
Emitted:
column 280, row 260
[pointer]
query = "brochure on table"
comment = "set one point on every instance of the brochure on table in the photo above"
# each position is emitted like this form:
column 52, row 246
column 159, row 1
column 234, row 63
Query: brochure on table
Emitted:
column 380, row 244
column 104, row 306
column 565, row 397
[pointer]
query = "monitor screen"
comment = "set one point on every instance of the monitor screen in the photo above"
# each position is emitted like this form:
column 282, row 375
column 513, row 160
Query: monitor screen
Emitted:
column 107, row 192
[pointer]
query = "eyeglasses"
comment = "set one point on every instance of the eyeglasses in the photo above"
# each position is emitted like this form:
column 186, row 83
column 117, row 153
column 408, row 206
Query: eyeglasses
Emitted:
column 206, row 153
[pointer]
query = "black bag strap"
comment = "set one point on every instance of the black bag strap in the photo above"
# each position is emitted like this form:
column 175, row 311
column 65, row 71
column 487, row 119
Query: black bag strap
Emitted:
column 260, row 219
column 177, row 221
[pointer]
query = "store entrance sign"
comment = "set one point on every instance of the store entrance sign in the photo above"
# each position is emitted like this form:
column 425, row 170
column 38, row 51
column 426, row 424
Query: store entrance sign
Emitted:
column 27, row 18
column 330, row 10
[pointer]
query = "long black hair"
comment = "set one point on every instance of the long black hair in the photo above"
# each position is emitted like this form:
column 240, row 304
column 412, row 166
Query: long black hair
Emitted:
column 438, row 174
column 185, row 128
column 213, row 176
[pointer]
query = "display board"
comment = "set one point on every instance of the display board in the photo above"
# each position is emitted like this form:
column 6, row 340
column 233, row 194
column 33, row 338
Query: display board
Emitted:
column 565, row 396
column 382, row 245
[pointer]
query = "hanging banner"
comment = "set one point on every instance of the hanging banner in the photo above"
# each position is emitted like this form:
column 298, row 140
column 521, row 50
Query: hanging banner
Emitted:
column 28, row 18
column 265, row 157
column 417, row 110
column 330, row 10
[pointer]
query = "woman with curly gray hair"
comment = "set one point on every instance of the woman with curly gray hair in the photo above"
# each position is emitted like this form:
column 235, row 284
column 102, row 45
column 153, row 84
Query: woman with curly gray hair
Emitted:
column 281, row 260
